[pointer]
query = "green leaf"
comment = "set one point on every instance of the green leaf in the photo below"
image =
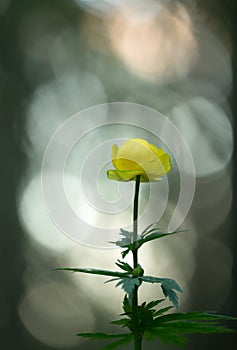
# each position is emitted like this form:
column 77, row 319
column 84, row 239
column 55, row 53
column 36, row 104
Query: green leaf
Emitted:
column 162, row 311
column 125, row 253
column 165, row 337
column 100, row 335
column 196, row 316
column 138, row 271
column 172, row 339
column 154, row 303
column 149, row 234
column 171, row 331
column 126, row 305
column 125, row 340
column 154, row 228
column 122, row 322
column 155, row 235
column 170, row 293
column 184, row 327
column 128, row 284
column 124, row 266
column 126, row 239
column 145, row 317
column 168, row 286
column 149, row 228
column 94, row 271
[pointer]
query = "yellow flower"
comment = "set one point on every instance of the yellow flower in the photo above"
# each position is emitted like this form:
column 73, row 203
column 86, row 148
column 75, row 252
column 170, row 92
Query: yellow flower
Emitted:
column 138, row 157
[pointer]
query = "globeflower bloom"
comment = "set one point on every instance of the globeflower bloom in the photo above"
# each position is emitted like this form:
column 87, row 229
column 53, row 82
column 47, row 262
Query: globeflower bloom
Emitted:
column 138, row 157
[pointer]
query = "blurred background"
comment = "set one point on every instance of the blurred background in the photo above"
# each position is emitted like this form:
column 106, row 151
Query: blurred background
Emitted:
column 58, row 58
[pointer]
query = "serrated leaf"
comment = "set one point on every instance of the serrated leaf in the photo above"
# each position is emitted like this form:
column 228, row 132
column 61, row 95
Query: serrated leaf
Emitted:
column 126, row 305
column 124, row 266
column 128, row 284
column 126, row 239
column 162, row 311
column 170, row 293
column 147, row 235
column 124, row 232
column 168, row 286
column 145, row 317
column 154, row 303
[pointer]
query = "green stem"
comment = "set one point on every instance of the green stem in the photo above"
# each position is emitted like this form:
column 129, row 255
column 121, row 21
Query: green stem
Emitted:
column 136, row 328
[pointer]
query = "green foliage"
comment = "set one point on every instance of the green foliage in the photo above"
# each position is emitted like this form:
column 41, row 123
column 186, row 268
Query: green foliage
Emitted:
column 153, row 323
column 146, row 320
column 165, row 337
column 122, row 339
column 124, row 253
column 152, row 227
column 196, row 316
column 127, row 283
column 163, row 310
column 138, row 271
column 172, row 333
column 184, row 327
column 154, row 235
column 168, row 285
column 124, row 322
column 170, row 328
column 153, row 303
column 126, row 240
column 126, row 305
column 94, row 271
column 149, row 234
column 124, row 266
column 101, row 335
column 144, row 315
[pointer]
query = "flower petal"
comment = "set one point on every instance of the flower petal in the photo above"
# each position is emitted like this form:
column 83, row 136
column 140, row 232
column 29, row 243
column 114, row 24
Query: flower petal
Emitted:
column 114, row 155
column 122, row 175
column 166, row 162
column 157, row 151
column 132, row 154
column 138, row 157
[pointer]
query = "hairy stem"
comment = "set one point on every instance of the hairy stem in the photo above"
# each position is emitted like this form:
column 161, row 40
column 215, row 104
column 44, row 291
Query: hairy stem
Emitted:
column 136, row 328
